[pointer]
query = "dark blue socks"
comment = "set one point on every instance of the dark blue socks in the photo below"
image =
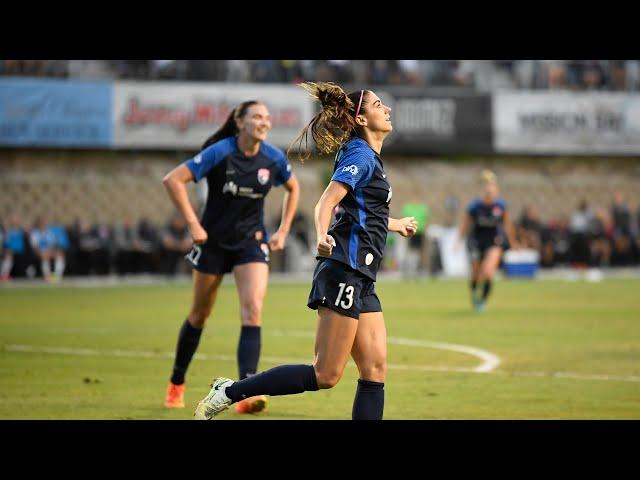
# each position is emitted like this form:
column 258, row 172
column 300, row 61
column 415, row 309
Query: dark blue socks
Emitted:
column 188, row 340
column 248, row 351
column 282, row 380
column 369, row 401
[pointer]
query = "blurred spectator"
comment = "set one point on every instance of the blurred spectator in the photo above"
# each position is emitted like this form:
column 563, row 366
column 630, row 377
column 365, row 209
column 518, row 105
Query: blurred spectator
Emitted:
column 341, row 70
column 149, row 243
column 16, row 250
column 291, row 72
column 132, row 252
column 618, row 75
column 415, row 258
column 168, row 69
column 44, row 244
column 579, row 228
column 593, row 77
column 623, row 231
column 556, row 74
column 91, row 248
column 621, row 215
column 175, row 243
column 238, row 71
column 61, row 247
column 267, row 71
column 483, row 75
column 632, row 75
column 601, row 232
column 529, row 228
column 561, row 240
column 411, row 72
column 379, row 74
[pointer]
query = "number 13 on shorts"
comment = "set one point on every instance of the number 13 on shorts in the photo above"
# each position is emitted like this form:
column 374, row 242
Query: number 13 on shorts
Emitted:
column 347, row 290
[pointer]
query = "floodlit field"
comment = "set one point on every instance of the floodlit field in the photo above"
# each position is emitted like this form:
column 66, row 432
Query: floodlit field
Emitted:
column 542, row 350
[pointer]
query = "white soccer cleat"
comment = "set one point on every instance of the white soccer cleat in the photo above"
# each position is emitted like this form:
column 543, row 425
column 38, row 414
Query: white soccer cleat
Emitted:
column 215, row 402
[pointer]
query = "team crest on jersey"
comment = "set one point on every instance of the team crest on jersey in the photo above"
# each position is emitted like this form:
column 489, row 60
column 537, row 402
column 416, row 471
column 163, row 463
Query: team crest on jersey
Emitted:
column 353, row 169
column 197, row 158
column 263, row 176
column 497, row 211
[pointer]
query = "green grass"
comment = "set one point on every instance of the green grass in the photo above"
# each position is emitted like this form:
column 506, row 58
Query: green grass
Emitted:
column 541, row 330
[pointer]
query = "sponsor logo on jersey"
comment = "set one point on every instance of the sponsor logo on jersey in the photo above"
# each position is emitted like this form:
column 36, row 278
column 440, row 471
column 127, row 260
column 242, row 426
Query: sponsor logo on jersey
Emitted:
column 353, row 169
column 230, row 187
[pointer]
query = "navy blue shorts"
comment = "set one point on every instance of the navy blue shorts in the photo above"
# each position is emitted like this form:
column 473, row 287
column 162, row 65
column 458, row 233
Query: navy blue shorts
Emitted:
column 478, row 246
column 218, row 261
column 339, row 287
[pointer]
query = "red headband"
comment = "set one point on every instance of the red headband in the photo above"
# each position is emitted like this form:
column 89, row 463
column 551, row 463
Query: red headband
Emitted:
column 360, row 102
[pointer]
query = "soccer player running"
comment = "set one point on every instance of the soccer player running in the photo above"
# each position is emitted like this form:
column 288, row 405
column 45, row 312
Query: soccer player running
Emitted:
column 240, row 168
column 491, row 234
column 350, row 320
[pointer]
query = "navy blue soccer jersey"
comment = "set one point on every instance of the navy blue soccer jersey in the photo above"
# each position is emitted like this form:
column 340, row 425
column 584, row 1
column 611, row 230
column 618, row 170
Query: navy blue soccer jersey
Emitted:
column 487, row 219
column 234, row 212
column 360, row 231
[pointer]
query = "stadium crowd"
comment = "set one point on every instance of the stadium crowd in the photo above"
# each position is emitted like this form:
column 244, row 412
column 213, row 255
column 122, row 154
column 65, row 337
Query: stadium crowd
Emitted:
column 589, row 237
column 482, row 75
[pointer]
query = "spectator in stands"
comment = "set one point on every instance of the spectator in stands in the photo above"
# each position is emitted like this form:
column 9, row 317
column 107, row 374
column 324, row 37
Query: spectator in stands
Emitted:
column 92, row 248
column 579, row 226
column 129, row 247
column 529, row 228
column 600, row 234
column 15, row 251
column 43, row 242
column 61, row 247
column 623, row 231
column 176, row 242
column 149, row 246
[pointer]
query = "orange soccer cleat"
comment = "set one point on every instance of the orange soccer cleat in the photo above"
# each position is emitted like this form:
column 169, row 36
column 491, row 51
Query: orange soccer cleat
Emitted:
column 175, row 396
column 252, row 404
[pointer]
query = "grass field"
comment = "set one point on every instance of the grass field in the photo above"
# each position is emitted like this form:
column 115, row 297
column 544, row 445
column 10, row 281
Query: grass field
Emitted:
column 552, row 350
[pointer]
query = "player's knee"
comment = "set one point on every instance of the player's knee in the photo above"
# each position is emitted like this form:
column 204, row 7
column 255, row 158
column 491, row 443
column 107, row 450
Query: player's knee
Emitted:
column 251, row 312
column 327, row 378
column 376, row 371
column 199, row 315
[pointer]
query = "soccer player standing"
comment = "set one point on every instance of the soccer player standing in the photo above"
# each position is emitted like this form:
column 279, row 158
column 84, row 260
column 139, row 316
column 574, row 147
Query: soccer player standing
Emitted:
column 240, row 168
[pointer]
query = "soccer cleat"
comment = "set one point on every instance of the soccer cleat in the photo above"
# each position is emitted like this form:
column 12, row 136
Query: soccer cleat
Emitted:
column 252, row 404
column 215, row 402
column 480, row 306
column 175, row 396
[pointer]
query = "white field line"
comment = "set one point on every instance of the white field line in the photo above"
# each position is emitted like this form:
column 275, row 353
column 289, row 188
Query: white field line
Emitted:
column 490, row 361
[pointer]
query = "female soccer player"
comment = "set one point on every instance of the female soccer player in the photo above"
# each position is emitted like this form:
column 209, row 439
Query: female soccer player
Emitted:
column 491, row 234
column 350, row 320
column 240, row 168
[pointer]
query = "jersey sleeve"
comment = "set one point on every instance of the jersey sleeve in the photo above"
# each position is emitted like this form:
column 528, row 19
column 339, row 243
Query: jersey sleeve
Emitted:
column 283, row 169
column 472, row 208
column 203, row 162
column 503, row 204
column 354, row 169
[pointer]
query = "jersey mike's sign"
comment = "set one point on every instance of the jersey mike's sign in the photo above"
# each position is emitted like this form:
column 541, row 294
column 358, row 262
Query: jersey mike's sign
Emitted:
column 183, row 115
